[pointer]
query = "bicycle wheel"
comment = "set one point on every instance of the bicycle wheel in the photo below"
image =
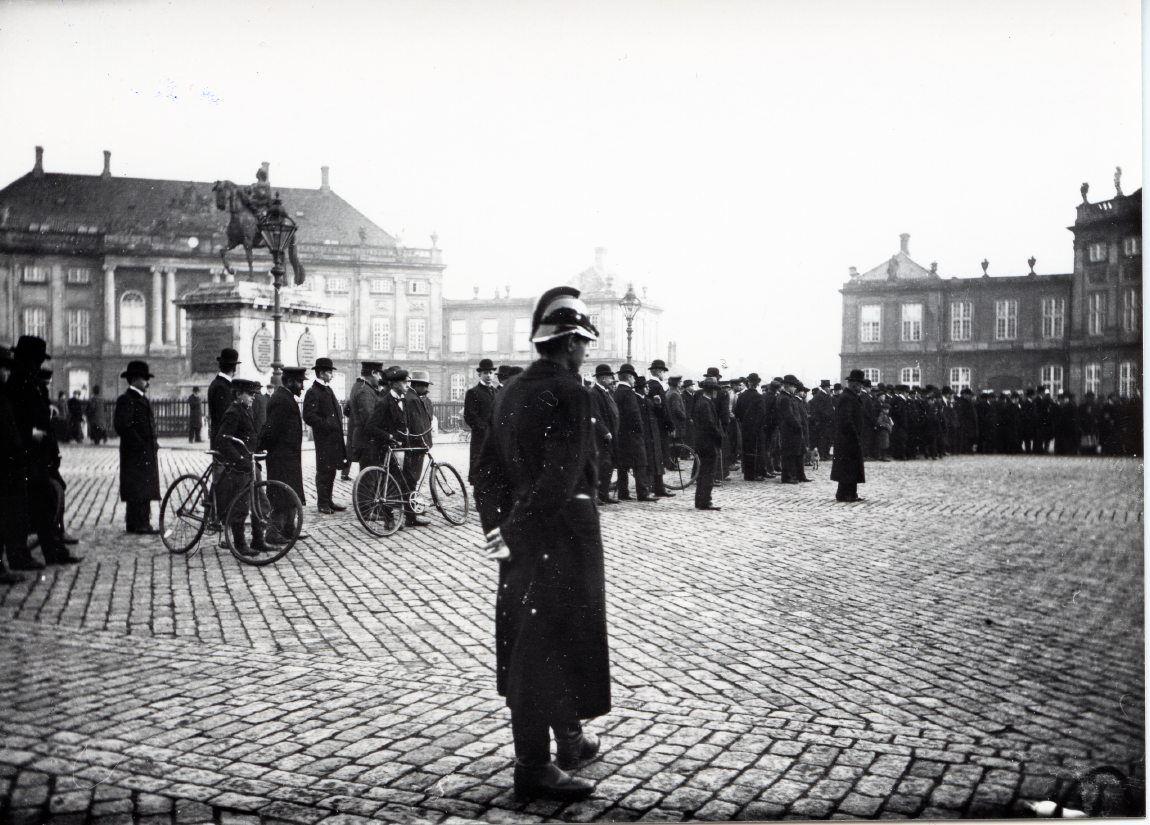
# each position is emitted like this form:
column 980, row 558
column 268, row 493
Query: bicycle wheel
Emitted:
column 685, row 467
column 275, row 513
column 449, row 493
column 377, row 500
column 182, row 514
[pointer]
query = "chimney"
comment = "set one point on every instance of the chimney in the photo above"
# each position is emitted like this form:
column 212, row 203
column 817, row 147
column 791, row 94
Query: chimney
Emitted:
column 599, row 253
column 38, row 169
column 264, row 165
column 904, row 243
column 107, row 173
column 854, row 273
column 324, row 184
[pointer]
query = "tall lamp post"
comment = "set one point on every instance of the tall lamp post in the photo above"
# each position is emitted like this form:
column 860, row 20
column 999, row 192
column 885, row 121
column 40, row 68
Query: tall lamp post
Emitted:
column 630, row 304
column 278, row 229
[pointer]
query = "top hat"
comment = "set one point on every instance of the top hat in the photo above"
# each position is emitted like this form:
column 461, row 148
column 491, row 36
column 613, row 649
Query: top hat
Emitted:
column 245, row 385
column 658, row 364
column 713, row 372
column 420, row 377
column 368, row 367
column 485, row 365
column 603, row 369
column 628, row 369
column 323, row 364
column 31, row 349
column 228, row 356
column 137, row 369
column 709, row 383
column 753, row 378
column 825, row 384
column 560, row 312
column 295, row 372
column 395, row 374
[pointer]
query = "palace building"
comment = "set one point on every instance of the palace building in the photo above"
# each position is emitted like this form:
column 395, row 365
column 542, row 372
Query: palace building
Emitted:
column 1076, row 332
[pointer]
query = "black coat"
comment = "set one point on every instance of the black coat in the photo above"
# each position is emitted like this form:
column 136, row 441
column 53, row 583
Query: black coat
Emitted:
column 282, row 438
column 848, row 464
column 220, row 397
column 677, row 413
column 705, row 425
column 791, row 435
column 322, row 412
column 536, row 482
column 750, row 407
column 419, row 413
column 630, row 449
column 605, row 413
column 195, row 411
column 238, row 422
column 32, row 410
column 139, row 450
column 360, row 402
column 478, row 404
column 13, row 455
column 387, row 426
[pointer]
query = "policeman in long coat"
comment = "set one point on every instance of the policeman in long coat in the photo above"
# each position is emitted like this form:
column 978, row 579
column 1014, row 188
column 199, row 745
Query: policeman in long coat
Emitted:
column 477, row 407
column 322, row 412
column 605, row 416
column 630, row 449
column 535, row 493
column 848, row 468
column 139, row 450
column 282, row 439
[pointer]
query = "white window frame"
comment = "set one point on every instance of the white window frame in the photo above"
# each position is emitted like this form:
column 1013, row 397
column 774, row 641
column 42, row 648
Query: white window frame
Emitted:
column 79, row 379
column 1095, row 313
column 458, row 386
column 1131, row 313
column 417, row 334
column 1053, row 317
column 381, row 334
column 1096, row 253
column 959, row 378
column 80, row 275
column 911, row 327
column 595, row 319
column 32, row 274
column 911, row 376
column 337, row 285
column 1053, row 376
column 458, row 335
column 34, row 321
column 1127, row 379
column 418, row 288
column 1132, row 246
column 337, row 334
column 961, row 324
column 79, row 327
column 1006, row 319
column 872, row 374
column 382, row 286
column 489, row 335
column 1092, row 378
column 131, row 342
column 870, row 330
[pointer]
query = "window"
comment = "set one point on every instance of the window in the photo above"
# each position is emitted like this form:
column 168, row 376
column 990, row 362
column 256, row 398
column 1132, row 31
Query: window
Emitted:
column 1096, row 252
column 1093, row 378
column 960, row 313
column 79, row 327
column 595, row 316
column 1005, row 320
column 78, row 379
column 911, row 323
column 459, row 336
column 1127, row 379
column 1096, row 313
column 338, row 286
column 959, row 378
column 339, row 384
column 523, row 335
column 911, row 376
column 417, row 334
column 1053, row 317
column 871, row 374
column 34, row 275
column 1132, row 245
column 1052, row 377
column 337, row 333
column 36, row 322
column 870, row 323
column 133, row 323
column 79, row 275
column 489, row 333
column 380, row 334
column 418, row 288
column 380, row 286
column 458, row 386
column 1130, row 310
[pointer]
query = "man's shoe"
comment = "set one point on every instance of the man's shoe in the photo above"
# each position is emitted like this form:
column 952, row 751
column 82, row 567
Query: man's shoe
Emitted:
column 21, row 559
column 415, row 521
column 260, row 546
column 625, row 498
column 61, row 556
column 709, row 507
column 244, row 550
column 66, row 539
column 345, row 478
column 549, row 782
column 804, row 478
column 571, row 753
column 145, row 531
column 647, row 497
column 325, row 510
column 608, row 500
column 339, row 508
column 8, row 577
column 790, row 481
column 665, row 494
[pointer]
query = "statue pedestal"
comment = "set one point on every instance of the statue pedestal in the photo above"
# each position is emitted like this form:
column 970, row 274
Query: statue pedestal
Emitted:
column 239, row 315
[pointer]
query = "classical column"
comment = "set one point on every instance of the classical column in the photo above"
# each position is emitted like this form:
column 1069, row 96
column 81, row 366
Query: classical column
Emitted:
column 362, row 314
column 57, row 322
column 110, row 304
column 157, row 307
column 170, row 306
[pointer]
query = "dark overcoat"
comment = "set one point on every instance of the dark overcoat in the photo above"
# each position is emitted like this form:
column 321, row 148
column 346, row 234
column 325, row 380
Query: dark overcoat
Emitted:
column 651, row 429
column 791, row 436
column 419, row 414
column 629, row 448
column 238, row 422
column 705, row 425
column 477, row 407
column 360, row 402
column 220, row 397
column 195, row 411
column 282, row 438
column 386, row 427
column 536, row 482
column 848, row 464
column 322, row 412
column 13, row 461
column 605, row 413
column 259, row 411
column 750, row 407
column 677, row 413
column 139, row 450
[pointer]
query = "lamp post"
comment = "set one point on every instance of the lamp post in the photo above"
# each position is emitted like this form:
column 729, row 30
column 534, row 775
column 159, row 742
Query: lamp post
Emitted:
column 631, row 305
column 278, row 230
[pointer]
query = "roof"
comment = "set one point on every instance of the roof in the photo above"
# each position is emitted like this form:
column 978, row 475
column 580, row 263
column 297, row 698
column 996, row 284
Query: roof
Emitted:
column 905, row 270
column 93, row 204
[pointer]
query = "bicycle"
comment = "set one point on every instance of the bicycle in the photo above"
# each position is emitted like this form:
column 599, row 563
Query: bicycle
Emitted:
column 379, row 495
column 184, row 514
column 682, row 466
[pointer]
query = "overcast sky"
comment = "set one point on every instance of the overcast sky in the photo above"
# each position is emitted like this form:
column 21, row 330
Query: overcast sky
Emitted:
column 735, row 157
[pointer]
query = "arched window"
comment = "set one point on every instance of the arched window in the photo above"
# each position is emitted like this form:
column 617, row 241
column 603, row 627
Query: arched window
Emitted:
column 133, row 323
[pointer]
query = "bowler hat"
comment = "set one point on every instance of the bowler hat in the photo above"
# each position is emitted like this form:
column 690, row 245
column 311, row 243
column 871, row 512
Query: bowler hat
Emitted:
column 603, row 369
column 840, row 386
column 420, row 377
column 856, row 375
column 228, row 356
column 295, row 372
column 713, row 372
column 640, row 382
column 245, row 385
column 776, row 380
column 688, row 383
column 486, row 365
column 753, row 378
column 658, row 364
column 323, row 364
column 947, row 390
column 395, row 374
column 560, row 311
column 628, row 369
column 709, row 383
column 790, row 379
column 137, row 369
column 31, row 349
column 368, row 367
column 504, row 372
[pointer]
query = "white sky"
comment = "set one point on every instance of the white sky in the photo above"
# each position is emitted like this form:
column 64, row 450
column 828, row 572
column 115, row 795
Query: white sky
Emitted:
column 735, row 157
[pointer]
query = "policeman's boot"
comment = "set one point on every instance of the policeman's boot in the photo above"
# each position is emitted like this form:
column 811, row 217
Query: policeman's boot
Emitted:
column 549, row 781
column 574, row 747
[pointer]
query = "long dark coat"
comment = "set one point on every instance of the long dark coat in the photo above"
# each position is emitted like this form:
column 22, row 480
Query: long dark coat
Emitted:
column 13, row 459
column 419, row 414
column 605, row 412
column 478, row 404
column 677, row 413
column 536, row 482
column 238, row 422
column 750, row 407
column 195, row 411
column 282, row 437
column 139, row 450
column 387, row 426
column 220, row 397
column 322, row 412
column 848, row 464
column 651, row 430
column 705, row 425
column 360, row 402
column 629, row 447
column 791, row 436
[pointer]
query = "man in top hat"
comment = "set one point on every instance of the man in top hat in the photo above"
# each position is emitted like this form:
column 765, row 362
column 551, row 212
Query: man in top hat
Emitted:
column 360, row 402
column 848, row 468
column 220, row 392
column 657, row 392
column 322, row 412
column 282, row 439
column 535, row 493
column 792, row 443
column 708, row 441
column 477, row 407
column 605, row 418
column 420, row 415
column 238, row 424
column 750, row 407
column 630, row 447
column 822, row 416
column 388, row 427
column 139, row 450
column 195, row 416
column 651, row 443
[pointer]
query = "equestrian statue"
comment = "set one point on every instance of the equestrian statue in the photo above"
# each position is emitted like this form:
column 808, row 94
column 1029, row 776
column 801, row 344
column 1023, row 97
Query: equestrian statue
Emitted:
column 247, row 205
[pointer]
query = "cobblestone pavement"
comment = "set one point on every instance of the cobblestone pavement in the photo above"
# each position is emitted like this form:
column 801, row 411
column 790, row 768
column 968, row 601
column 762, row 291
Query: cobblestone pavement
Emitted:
column 968, row 637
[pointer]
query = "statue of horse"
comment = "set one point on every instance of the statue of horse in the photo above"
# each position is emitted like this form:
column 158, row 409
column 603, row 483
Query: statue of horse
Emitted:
column 243, row 229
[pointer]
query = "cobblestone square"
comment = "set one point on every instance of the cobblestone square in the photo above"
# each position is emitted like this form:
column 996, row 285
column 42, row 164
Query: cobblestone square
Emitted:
column 968, row 637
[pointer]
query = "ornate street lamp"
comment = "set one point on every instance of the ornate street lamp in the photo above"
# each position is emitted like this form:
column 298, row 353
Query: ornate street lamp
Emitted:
column 278, row 230
column 631, row 306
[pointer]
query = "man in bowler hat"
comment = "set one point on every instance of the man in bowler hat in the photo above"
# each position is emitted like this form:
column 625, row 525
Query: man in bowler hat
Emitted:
column 239, row 425
column 535, row 492
column 195, row 416
column 360, row 402
column 322, row 412
column 708, row 441
column 630, row 450
column 605, row 417
column 282, row 439
column 477, row 406
column 139, row 450
column 848, row 468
